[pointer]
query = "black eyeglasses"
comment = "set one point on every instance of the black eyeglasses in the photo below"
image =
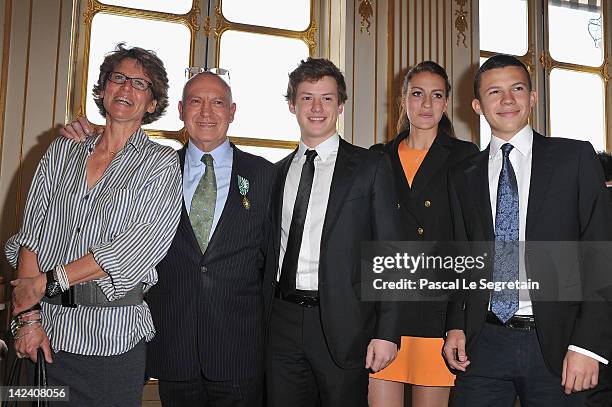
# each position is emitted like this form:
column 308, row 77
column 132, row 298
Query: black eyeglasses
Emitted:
column 137, row 83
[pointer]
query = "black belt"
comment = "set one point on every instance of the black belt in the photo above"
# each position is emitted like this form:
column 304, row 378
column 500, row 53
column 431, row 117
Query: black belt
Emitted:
column 520, row 322
column 89, row 294
column 303, row 298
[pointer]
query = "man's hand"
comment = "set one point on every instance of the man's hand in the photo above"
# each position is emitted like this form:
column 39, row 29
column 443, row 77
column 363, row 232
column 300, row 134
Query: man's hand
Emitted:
column 580, row 372
column 380, row 354
column 27, row 292
column 28, row 343
column 454, row 350
column 80, row 129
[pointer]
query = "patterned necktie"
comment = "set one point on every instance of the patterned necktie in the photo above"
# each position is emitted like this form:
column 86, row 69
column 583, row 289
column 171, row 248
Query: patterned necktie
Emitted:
column 504, row 303
column 203, row 203
column 296, row 230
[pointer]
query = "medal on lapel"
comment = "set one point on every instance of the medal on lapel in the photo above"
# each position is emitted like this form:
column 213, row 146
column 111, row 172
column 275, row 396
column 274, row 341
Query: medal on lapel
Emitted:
column 243, row 187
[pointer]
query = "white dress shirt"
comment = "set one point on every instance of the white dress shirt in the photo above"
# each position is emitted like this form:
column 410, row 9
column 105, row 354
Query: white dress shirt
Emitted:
column 307, row 275
column 520, row 158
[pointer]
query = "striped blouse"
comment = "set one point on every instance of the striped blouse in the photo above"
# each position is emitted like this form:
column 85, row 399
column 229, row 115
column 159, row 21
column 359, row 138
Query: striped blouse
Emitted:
column 126, row 220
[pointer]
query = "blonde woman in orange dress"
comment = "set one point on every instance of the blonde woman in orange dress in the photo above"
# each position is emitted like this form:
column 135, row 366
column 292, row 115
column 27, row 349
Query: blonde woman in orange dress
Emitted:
column 421, row 155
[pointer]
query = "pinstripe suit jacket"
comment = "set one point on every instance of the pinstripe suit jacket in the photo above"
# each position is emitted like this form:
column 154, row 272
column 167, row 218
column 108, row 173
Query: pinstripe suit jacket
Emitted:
column 208, row 307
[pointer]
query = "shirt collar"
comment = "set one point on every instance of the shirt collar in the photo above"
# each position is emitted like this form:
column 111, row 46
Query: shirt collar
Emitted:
column 325, row 150
column 136, row 140
column 522, row 142
column 221, row 154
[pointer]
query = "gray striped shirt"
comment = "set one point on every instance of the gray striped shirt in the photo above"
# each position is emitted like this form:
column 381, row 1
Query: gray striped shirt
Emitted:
column 127, row 220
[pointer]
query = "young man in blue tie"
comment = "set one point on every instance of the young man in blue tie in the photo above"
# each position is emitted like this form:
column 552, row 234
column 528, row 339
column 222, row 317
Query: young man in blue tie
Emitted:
column 525, row 187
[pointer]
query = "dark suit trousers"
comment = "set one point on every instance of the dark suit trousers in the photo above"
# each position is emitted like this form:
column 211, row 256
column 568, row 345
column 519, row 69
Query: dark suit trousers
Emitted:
column 505, row 363
column 601, row 396
column 205, row 393
column 300, row 370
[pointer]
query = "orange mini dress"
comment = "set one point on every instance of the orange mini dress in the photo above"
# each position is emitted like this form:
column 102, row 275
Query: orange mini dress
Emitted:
column 419, row 360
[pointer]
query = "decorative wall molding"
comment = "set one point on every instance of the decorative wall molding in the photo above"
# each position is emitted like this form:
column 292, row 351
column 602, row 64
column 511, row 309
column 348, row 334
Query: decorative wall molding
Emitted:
column 461, row 22
column 366, row 12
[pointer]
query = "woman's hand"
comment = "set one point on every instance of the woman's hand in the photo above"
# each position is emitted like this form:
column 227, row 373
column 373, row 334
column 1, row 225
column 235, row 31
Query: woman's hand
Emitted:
column 27, row 292
column 29, row 338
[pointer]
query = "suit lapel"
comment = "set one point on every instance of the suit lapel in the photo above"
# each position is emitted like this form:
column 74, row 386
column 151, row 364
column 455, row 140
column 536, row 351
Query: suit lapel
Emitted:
column 346, row 163
column 402, row 187
column 280, row 186
column 478, row 176
column 277, row 204
column 541, row 170
column 434, row 160
column 185, row 223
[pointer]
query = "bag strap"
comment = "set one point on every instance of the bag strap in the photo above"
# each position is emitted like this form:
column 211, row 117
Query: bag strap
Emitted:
column 40, row 377
column 13, row 379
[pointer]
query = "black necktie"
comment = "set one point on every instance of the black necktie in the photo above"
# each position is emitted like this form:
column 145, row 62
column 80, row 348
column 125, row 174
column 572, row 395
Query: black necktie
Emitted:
column 294, row 241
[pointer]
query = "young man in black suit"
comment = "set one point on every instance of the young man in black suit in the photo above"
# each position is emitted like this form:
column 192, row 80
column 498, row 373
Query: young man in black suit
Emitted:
column 330, row 196
column 539, row 189
column 601, row 396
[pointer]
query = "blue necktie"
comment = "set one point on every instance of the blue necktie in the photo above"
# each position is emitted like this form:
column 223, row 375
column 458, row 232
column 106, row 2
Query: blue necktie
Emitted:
column 504, row 303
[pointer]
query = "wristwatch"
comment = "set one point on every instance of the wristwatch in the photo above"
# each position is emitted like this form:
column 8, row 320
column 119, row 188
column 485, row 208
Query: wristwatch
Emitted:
column 53, row 287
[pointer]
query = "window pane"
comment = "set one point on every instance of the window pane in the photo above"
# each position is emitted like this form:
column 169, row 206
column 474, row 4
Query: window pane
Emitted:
column 271, row 154
column 171, row 42
column 499, row 18
column 289, row 15
column 577, row 106
column 485, row 129
column 165, row 6
column 259, row 66
column 175, row 144
column 575, row 33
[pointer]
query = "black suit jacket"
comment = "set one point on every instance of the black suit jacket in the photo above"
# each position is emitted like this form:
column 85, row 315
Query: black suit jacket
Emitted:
column 425, row 204
column 362, row 206
column 208, row 308
column 567, row 203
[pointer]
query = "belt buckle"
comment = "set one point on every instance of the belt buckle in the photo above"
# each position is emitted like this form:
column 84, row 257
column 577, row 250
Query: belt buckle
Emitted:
column 68, row 298
column 521, row 324
column 307, row 302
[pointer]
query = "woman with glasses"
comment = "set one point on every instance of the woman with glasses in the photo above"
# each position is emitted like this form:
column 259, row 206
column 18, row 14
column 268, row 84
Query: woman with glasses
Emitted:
column 98, row 218
column 421, row 156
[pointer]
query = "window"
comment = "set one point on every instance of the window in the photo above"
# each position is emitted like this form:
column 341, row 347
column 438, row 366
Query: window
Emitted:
column 498, row 18
column 565, row 53
column 168, row 28
column 573, row 64
column 257, row 46
column 260, row 48
column 168, row 39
